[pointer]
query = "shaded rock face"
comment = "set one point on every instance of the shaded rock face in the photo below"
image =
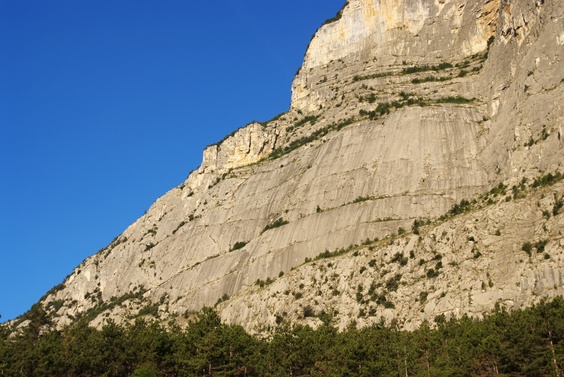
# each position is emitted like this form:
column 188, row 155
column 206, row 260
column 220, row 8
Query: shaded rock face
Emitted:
column 400, row 110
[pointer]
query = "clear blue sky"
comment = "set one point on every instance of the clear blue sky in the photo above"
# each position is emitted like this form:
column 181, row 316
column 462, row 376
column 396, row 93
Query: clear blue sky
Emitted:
column 105, row 105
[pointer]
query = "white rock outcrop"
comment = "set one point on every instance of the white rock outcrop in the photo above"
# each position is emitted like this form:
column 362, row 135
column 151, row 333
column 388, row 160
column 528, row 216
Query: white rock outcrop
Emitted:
column 380, row 33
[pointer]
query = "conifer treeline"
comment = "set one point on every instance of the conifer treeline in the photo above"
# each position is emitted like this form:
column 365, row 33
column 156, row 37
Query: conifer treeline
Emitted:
column 528, row 342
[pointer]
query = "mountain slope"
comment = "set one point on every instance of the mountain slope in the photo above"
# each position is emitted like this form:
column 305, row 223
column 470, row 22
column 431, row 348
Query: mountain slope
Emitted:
column 505, row 248
column 400, row 110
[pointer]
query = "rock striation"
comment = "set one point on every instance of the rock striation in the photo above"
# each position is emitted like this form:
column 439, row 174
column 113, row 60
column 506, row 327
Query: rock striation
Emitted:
column 402, row 109
column 505, row 249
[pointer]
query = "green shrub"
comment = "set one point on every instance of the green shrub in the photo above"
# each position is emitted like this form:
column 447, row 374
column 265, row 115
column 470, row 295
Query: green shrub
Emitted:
column 540, row 245
column 182, row 223
column 547, row 180
column 309, row 312
column 424, row 68
column 460, row 208
column 430, row 79
column 423, row 296
column 544, row 133
column 223, row 298
column 239, row 245
column 295, row 144
column 372, row 76
column 416, row 225
column 362, row 199
column 527, row 247
column 558, row 204
column 276, row 224
column 454, row 99
column 383, row 108
column 431, row 273
column 359, row 297
column 399, row 258
column 151, row 309
column 145, row 370
column 55, row 305
column 500, row 189
column 308, row 119
column 330, row 254
column 392, row 284
column 261, row 283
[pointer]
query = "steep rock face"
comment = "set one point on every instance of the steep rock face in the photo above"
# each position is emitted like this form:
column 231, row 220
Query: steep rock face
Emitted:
column 401, row 109
column 381, row 33
column 464, row 265
column 245, row 146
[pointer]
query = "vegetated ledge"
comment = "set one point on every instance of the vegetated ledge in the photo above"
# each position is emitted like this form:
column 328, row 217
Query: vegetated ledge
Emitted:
column 382, row 109
column 479, row 58
column 500, row 193
column 295, row 144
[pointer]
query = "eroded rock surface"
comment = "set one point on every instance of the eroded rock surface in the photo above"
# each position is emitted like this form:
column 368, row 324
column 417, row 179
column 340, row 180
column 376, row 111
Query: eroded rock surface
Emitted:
column 400, row 110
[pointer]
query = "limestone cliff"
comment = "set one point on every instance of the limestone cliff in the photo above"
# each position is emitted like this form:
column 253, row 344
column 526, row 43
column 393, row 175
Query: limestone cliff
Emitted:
column 506, row 248
column 401, row 109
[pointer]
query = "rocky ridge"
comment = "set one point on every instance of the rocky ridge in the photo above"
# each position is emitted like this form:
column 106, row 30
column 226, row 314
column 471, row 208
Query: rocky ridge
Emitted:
column 400, row 110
